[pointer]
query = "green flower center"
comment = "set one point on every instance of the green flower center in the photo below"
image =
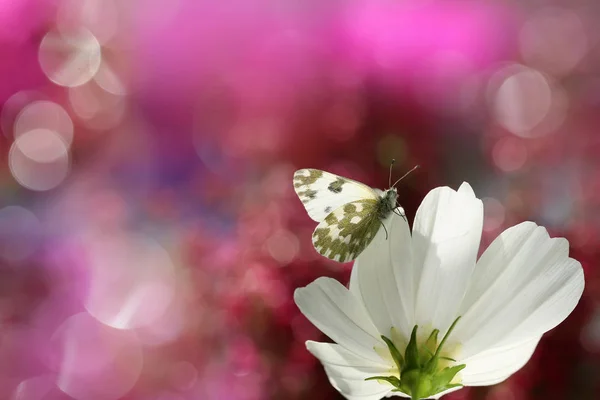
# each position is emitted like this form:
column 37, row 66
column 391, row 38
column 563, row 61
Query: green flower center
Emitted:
column 422, row 375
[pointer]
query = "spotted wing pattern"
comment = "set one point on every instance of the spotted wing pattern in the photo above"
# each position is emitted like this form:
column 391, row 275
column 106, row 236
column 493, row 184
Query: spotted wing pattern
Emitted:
column 322, row 192
column 348, row 230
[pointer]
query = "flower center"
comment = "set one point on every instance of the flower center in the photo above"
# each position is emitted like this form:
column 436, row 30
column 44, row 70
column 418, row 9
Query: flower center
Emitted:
column 422, row 370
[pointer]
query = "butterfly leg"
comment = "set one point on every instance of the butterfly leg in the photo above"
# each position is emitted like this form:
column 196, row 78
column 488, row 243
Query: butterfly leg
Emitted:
column 385, row 229
column 400, row 215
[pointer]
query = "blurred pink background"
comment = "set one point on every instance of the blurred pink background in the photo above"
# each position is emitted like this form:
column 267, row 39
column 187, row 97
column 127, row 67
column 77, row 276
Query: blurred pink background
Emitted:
column 150, row 238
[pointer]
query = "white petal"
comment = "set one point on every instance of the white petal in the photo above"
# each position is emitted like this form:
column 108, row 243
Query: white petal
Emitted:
column 397, row 394
column 381, row 277
column 466, row 189
column 339, row 315
column 342, row 385
column 495, row 365
column 446, row 236
column 354, row 284
column 524, row 285
column 347, row 371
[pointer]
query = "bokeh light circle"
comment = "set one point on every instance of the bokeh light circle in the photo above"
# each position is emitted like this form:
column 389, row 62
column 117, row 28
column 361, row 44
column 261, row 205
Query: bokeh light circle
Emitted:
column 522, row 100
column 169, row 326
column 131, row 281
column 39, row 160
column 46, row 115
column 526, row 102
column 554, row 40
column 42, row 145
column 509, row 154
column 97, row 362
column 12, row 108
column 101, row 17
column 283, row 246
column 36, row 388
column 97, row 108
column 70, row 59
column 108, row 80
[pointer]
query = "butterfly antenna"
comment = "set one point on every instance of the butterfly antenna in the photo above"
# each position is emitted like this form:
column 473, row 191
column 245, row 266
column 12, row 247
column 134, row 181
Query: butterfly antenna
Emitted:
column 391, row 166
column 405, row 175
column 385, row 229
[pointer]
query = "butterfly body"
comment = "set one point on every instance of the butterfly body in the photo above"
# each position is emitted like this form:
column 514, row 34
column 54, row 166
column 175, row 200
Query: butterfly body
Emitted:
column 387, row 203
column 349, row 213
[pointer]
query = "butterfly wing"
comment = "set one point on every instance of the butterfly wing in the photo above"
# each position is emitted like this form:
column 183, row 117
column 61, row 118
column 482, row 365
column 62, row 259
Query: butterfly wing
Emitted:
column 348, row 230
column 322, row 192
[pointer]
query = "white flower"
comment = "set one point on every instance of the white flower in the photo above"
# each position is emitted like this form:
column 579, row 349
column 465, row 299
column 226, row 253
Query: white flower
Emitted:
column 522, row 286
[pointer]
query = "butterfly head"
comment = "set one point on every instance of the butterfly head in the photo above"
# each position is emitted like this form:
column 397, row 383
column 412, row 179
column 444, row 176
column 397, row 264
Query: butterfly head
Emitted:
column 390, row 197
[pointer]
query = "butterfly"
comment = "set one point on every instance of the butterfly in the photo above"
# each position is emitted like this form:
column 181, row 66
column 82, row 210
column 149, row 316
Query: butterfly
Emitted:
column 349, row 213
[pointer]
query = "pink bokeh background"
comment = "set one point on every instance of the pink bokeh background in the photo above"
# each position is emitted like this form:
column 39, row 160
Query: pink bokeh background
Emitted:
column 150, row 238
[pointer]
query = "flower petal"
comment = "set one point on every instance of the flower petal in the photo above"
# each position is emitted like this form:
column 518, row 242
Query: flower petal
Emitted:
column 524, row 285
column 381, row 278
column 347, row 371
column 354, row 284
column 495, row 365
column 446, row 236
column 339, row 315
